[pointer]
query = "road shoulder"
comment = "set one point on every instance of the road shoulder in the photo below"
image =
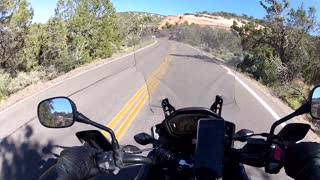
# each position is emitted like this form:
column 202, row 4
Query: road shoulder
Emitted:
column 41, row 86
column 279, row 106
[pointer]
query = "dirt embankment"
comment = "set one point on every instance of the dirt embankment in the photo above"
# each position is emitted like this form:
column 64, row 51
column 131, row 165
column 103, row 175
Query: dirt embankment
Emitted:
column 200, row 19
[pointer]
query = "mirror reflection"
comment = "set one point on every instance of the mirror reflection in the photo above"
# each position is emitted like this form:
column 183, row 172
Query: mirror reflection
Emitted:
column 56, row 113
column 315, row 103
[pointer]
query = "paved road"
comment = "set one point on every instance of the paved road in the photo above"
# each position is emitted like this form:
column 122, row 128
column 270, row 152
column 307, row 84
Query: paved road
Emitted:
column 116, row 92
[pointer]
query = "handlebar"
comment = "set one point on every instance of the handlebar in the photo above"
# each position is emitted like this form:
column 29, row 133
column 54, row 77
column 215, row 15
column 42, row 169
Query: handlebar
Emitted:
column 136, row 159
column 105, row 160
column 255, row 153
column 258, row 153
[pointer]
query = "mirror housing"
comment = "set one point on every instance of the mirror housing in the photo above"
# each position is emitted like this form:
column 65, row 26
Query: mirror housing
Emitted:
column 70, row 109
column 131, row 149
column 57, row 112
column 242, row 135
column 144, row 139
column 314, row 100
column 294, row 132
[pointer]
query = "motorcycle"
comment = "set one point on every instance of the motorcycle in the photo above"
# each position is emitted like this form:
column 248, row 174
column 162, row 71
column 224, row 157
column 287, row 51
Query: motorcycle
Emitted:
column 193, row 142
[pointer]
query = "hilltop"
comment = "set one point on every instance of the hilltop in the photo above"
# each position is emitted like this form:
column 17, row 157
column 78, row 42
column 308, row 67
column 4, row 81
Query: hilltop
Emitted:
column 221, row 19
column 157, row 21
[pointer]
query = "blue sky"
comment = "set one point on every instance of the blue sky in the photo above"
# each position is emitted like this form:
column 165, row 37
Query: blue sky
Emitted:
column 44, row 9
column 316, row 93
column 61, row 105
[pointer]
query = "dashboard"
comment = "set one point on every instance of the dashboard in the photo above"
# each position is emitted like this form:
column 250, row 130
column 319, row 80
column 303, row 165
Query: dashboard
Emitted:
column 180, row 128
column 185, row 124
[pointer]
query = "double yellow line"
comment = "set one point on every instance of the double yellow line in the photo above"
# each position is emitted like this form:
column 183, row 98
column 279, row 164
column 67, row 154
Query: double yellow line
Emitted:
column 139, row 98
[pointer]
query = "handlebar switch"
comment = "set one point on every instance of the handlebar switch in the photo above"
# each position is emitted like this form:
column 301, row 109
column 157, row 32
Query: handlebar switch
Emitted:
column 275, row 160
column 105, row 162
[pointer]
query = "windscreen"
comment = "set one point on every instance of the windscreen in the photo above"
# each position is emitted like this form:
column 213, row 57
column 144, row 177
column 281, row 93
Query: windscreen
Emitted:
column 194, row 68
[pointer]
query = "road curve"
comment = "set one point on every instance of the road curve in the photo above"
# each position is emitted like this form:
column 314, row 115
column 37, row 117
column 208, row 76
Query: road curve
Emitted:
column 103, row 93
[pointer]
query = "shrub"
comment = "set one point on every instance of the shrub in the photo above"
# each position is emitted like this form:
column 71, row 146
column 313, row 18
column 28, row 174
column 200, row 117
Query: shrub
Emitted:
column 22, row 80
column 50, row 72
column 5, row 81
column 10, row 85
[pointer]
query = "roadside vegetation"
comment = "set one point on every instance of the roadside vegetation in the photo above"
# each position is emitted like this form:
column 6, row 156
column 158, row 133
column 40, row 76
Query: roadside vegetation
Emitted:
column 280, row 51
column 216, row 42
column 79, row 32
column 283, row 53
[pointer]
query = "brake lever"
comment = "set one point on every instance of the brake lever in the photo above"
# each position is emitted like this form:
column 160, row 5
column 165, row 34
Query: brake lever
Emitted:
column 259, row 152
column 276, row 156
column 253, row 153
column 242, row 138
column 134, row 149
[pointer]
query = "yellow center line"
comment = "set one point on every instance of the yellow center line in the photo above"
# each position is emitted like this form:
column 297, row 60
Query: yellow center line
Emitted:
column 132, row 115
column 153, row 82
column 115, row 121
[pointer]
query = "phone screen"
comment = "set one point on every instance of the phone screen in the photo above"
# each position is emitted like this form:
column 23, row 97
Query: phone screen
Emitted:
column 210, row 148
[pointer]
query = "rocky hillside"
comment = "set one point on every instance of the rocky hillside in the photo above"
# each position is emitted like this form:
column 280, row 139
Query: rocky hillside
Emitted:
column 200, row 19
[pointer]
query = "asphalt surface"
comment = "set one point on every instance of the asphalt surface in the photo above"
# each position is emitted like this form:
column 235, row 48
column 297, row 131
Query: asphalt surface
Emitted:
column 171, row 69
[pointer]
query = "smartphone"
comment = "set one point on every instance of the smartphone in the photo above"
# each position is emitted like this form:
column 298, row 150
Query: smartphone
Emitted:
column 209, row 152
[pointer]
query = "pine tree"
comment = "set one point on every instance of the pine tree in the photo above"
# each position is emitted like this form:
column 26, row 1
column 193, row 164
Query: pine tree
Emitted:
column 15, row 16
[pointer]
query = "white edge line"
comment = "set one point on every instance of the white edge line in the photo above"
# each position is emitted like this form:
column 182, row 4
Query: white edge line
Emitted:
column 261, row 101
column 21, row 101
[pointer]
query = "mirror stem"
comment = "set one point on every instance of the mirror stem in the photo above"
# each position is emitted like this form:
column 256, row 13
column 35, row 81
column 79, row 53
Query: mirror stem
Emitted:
column 301, row 110
column 83, row 119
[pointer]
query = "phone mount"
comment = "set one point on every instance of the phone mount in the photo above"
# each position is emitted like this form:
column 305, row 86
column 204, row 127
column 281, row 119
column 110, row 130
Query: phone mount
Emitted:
column 167, row 108
column 217, row 105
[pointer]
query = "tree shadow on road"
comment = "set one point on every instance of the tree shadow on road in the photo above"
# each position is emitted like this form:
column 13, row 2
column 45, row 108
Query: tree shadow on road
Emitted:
column 200, row 57
column 21, row 158
column 233, row 63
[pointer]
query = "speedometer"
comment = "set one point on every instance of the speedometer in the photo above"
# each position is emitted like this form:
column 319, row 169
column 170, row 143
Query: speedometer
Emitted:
column 184, row 124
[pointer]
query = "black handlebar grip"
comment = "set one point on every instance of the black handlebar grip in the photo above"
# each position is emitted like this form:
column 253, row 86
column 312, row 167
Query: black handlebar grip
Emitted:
column 136, row 159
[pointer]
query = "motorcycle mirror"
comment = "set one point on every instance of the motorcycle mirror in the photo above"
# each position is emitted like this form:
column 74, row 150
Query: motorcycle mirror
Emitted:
column 57, row 112
column 61, row 112
column 143, row 138
column 294, row 132
column 315, row 103
column 242, row 135
column 312, row 106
